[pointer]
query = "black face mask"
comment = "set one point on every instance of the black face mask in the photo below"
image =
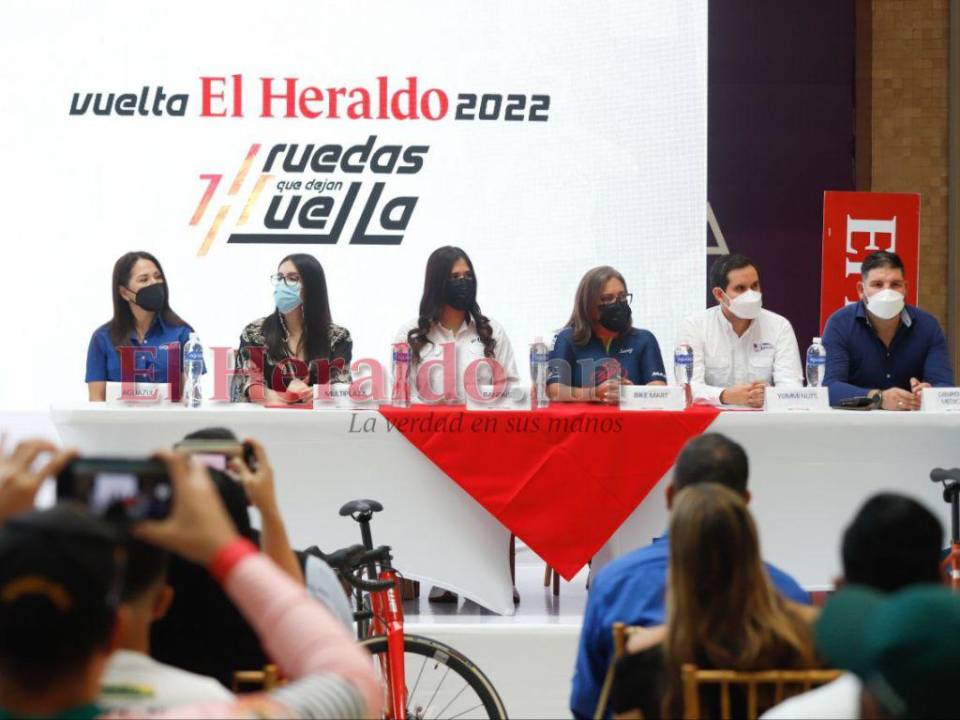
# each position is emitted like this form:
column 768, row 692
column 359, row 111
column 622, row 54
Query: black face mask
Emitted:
column 616, row 316
column 460, row 294
column 153, row 297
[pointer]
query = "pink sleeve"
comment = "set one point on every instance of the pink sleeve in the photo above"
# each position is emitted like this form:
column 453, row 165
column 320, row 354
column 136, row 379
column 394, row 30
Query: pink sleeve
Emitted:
column 298, row 632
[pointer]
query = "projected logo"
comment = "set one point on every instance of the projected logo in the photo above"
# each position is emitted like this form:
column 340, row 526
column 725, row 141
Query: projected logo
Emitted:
column 308, row 203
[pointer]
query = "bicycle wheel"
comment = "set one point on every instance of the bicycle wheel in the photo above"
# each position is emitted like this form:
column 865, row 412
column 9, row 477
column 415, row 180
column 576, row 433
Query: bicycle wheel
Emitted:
column 431, row 691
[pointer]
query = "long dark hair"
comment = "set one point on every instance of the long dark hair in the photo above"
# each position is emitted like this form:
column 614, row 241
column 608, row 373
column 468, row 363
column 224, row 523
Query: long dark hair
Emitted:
column 588, row 295
column 315, row 339
column 433, row 300
column 123, row 324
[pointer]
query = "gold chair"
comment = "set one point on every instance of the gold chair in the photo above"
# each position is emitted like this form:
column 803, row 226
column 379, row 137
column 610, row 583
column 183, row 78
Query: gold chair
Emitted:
column 621, row 634
column 266, row 679
column 785, row 683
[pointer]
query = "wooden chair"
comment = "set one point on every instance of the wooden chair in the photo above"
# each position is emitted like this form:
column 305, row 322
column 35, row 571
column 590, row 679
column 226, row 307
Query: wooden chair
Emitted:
column 785, row 683
column 621, row 633
column 266, row 679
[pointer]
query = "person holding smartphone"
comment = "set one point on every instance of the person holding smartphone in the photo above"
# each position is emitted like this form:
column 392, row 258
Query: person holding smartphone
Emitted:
column 297, row 345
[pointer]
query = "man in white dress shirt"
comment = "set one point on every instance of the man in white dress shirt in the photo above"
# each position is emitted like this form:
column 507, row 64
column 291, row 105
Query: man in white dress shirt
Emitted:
column 738, row 347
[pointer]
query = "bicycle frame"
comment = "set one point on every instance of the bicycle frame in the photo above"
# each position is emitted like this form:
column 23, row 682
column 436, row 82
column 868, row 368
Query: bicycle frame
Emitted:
column 388, row 620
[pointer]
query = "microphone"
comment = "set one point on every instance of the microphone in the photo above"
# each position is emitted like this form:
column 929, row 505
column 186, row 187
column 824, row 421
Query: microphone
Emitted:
column 941, row 475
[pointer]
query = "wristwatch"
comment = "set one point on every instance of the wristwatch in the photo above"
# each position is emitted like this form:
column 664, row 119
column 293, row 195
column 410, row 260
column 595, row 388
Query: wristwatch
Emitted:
column 877, row 397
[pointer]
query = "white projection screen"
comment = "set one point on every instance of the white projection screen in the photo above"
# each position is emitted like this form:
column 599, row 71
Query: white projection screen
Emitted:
column 584, row 144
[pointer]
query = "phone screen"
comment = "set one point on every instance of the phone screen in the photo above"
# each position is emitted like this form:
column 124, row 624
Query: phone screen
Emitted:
column 132, row 489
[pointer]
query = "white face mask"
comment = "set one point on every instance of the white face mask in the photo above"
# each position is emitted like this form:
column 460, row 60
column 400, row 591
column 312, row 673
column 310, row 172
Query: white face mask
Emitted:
column 886, row 304
column 746, row 306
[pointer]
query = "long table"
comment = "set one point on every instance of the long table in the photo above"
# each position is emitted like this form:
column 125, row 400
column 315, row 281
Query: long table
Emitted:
column 808, row 475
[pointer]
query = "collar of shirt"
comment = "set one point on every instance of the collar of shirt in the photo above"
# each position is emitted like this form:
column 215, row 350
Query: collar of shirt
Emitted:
column 445, row 334
column 726, row 327
column 906, row 315
column 157, row 328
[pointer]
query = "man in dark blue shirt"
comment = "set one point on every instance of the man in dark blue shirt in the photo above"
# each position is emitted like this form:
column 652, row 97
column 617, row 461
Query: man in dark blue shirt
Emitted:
column 882, row 348
column 631, row 588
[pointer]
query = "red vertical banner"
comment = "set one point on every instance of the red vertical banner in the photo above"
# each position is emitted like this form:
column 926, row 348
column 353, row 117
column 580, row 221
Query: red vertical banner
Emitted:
column 856, row 224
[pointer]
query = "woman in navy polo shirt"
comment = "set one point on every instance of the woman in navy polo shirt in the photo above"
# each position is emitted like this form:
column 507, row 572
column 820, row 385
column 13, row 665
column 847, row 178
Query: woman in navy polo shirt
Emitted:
column 142, row 318
column 599, row 349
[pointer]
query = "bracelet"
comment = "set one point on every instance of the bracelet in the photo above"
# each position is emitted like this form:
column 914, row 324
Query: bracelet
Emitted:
column 227, row 557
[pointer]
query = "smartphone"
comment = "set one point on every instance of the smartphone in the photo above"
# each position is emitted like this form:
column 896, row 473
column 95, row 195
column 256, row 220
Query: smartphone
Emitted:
column 216, row 454
column 856, row 403
column 118, row 488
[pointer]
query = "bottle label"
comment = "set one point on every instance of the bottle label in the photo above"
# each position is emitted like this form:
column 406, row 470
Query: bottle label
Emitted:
column 816, row 360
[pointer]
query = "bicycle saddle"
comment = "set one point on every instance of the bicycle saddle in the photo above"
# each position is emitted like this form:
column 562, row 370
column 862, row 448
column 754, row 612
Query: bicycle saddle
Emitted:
column 343, row 560
column 358, row 508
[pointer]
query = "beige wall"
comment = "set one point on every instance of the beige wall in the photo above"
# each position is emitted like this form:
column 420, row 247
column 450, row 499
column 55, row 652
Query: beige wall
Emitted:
column 909, row 130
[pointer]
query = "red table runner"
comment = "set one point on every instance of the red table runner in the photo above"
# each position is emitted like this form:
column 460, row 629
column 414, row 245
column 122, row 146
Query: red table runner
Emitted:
column 562, row 479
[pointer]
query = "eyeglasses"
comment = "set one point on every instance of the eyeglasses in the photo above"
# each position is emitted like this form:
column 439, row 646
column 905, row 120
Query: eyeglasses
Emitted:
column 611, row 299
column 288, row 279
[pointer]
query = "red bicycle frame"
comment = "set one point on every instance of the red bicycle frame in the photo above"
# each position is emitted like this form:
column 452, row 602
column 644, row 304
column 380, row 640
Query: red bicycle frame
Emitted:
column 388, row 621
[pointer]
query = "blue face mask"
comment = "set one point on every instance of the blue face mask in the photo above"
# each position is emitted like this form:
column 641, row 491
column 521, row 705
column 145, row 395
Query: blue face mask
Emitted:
column 287, row 297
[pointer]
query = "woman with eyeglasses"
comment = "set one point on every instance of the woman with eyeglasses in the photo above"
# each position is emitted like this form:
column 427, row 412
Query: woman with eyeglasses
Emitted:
column 449, row 313
column 599, row 349
column 142, row 319
column 296, row 346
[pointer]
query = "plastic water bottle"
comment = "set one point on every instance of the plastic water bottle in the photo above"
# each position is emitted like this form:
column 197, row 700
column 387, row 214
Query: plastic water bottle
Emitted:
column 683, row 364
column 193, row 370
column 538, row 372
column 816, row 363
column 400, row 397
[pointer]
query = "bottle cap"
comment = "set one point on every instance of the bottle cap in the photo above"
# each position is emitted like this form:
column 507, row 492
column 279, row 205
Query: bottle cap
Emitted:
column 817, row 341
column 538, row 339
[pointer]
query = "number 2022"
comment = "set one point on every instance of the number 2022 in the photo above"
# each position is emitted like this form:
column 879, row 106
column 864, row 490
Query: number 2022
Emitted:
column 490, row 106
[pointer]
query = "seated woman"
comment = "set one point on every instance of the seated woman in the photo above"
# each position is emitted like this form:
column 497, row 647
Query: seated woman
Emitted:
column 449, row 313
column 296, row 346
column 722, row 612
column 142, row 319
column 599, row 349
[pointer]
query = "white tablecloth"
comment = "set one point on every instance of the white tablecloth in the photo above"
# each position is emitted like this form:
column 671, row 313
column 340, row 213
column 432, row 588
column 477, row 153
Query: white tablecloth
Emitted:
column 808, row 475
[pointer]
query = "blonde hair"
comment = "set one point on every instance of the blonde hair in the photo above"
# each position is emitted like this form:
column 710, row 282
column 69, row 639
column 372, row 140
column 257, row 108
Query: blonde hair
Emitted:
column 722, row 610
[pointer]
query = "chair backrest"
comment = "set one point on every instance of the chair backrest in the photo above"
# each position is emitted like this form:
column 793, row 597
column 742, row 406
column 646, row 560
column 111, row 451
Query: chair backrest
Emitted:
column 248, row 680
column 784, row 683
column 621, row 633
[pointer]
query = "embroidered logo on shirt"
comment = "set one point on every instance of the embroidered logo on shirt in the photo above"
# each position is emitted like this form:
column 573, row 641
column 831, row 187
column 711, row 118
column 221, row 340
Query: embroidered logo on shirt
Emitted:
column 626, row 350
column 760, row 347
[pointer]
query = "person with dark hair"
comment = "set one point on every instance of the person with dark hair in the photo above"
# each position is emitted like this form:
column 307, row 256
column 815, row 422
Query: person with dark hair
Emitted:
column 892, row 543
column 203, row 632
column 881, row 347
column 739, row 347
column 450, row 320
column 61, row 584
column 599, row 349
column 142, row 319
column 133, row 681
column 283, row 355
column 631, row 588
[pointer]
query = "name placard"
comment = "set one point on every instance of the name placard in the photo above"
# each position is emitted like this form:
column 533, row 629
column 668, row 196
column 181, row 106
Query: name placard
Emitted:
column 940, row 400
column 335, row 395
column 796, row 399
column 137, row 393
column 652, row 397
column 514, row 398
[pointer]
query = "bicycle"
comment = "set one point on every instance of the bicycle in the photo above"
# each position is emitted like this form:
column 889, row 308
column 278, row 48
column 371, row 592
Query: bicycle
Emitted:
column 404, row 661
